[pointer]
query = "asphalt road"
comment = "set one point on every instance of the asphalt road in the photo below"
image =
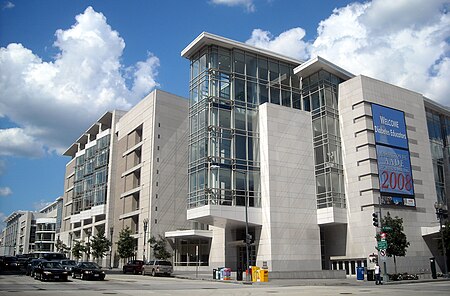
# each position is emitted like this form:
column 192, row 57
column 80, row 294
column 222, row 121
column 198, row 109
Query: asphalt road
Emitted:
column 136, row 285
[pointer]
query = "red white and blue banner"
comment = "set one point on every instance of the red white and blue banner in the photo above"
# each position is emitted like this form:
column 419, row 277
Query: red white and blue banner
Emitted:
column 394, row 164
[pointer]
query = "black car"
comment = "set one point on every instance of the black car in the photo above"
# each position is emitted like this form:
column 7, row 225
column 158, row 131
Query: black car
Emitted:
column 50, row 270
column 9, row 263
column 88, row 271
column 68, row 264
column 32, row 265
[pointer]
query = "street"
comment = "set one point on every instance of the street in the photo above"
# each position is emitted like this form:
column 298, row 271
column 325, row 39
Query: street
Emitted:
column 119, row 284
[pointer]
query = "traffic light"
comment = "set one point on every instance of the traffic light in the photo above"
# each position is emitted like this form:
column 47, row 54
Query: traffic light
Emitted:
column 249, row 239
column 375, row 219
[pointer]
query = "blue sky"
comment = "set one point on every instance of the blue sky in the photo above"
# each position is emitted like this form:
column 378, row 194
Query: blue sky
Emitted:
column 64, row 63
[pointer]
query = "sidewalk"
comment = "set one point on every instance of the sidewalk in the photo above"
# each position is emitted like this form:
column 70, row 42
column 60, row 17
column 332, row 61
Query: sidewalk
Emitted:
column 298, row 282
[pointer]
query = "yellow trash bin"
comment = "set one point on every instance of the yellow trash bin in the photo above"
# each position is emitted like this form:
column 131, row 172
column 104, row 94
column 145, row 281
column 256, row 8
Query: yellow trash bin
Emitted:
column 263, row 275
column 255, row 274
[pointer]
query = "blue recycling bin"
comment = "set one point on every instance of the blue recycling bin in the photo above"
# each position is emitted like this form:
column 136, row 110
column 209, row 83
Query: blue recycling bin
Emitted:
column 360, row 273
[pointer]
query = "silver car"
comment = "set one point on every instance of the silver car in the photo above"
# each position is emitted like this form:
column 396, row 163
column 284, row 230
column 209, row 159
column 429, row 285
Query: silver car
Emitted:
column 158, row 267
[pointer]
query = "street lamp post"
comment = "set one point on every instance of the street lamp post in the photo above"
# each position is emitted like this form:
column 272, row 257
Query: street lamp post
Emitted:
column 111, row 232
column 441, row 213
column 145, row 236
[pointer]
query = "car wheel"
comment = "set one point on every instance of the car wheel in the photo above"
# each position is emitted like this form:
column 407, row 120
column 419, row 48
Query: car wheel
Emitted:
column 124, row 271
column 143, row 272
column 153, row 272
column 83, row 277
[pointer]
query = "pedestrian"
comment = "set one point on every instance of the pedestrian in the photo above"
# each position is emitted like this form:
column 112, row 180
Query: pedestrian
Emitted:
column 377, row 275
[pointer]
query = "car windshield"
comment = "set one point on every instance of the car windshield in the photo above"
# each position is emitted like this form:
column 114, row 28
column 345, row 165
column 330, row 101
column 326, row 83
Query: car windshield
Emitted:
column 34, row 263
column 51, row 265
column 89, row 265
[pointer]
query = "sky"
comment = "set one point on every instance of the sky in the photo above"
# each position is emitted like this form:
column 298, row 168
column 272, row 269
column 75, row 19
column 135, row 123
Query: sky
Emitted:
column 65, row 63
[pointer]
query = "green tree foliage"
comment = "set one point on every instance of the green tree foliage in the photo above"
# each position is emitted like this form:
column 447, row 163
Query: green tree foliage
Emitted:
column 395, row 237
column 100, row 245
column 126, row 243
column 61, row 247
column 159, row 247
column 77, row 249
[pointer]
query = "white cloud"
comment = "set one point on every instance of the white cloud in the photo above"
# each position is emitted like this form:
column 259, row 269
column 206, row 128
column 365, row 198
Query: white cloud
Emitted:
column 53, row 102
column 405, row 43
column 16, row 142
column 248, row 4
column 289, row 43
column 5, row 191
column 8, row 5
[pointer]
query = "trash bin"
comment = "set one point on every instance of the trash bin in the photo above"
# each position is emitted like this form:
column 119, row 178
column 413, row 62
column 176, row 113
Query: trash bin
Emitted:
column 239, row 275
column 370, row 274
column 214, row 273
column 433, row 268
column 360, row 273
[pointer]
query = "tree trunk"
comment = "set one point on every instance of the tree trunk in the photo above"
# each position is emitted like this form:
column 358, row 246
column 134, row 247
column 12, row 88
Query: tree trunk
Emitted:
column 395, row 264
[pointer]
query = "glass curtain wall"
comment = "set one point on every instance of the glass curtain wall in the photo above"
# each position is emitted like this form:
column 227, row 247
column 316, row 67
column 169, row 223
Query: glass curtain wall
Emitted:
column 439, row 135
column 320, row 96
column 91, row 176
column 226, row 88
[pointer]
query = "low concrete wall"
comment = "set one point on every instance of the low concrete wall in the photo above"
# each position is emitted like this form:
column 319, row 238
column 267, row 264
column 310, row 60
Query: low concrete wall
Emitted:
column 317, row 274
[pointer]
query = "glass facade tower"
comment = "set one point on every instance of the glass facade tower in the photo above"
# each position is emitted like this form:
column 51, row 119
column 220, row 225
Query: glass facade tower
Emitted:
column 226, row 88
column 91, row 176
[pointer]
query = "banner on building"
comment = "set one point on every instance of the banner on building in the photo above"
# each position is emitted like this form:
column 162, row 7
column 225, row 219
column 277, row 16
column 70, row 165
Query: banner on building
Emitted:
column 394, row 164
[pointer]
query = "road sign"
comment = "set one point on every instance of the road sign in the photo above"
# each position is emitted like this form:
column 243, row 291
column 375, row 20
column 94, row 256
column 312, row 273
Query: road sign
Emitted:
column 384, row 228
column 383, row 253
column 382, row 245
column 383, row 235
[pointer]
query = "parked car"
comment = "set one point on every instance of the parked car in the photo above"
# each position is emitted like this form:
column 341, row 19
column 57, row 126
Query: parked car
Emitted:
column 50, row 270
column 68, row 265
column 8, row 263
column 134, row 266
column 88, row 270
column 32, row 265
column 158, row 267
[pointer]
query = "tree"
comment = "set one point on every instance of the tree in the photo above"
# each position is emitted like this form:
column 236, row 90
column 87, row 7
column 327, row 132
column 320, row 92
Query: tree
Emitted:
column 159, row 247
column 77, row 249
column 100, row 245
column 61, row 247
column 395, row 237
column 126, row 243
